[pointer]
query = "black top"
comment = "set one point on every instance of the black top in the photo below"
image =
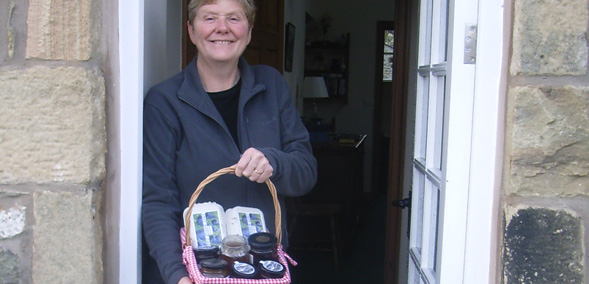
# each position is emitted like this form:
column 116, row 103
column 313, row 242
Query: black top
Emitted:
column 226, row 103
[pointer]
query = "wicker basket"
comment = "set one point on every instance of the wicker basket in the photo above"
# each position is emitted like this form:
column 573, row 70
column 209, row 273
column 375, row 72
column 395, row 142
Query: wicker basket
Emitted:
column 188, row 252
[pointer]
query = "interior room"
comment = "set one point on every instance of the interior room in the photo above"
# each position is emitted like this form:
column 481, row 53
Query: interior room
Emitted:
column 344, row 94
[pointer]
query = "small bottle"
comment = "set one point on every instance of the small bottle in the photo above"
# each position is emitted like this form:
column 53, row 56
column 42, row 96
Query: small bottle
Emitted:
column 263, row 247
column 206, row 252
column 243, row 270
column 271, row 269
column 214, row 268
column 235, row 248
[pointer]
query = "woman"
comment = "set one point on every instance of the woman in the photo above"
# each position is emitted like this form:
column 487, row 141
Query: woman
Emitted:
column 217, row 112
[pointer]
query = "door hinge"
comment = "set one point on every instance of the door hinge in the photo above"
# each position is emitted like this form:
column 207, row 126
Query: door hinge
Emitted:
column 470, row 44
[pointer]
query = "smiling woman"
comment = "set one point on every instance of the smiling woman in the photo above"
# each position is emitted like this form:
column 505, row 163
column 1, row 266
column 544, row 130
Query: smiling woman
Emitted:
column 221, row 32
column 210, row 116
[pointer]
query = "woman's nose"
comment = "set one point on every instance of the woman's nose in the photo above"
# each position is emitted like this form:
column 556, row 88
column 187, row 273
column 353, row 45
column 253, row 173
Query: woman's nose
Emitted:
column 222, row 26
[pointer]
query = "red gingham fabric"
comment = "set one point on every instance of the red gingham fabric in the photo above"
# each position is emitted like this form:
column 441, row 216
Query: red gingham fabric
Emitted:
column 197, row 277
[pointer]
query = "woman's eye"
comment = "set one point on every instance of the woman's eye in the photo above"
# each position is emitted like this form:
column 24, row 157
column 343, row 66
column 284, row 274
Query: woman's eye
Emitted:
column 208, row 18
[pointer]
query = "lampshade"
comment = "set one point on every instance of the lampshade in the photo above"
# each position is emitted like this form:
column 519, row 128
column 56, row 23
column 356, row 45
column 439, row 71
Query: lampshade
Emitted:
column 314, row 87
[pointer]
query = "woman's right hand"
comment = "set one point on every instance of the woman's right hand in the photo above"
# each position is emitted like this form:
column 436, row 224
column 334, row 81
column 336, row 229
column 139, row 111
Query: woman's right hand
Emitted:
column 185, row 280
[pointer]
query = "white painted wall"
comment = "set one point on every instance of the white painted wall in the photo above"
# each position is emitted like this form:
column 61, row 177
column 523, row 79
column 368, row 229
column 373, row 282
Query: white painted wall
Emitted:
column 163, row 40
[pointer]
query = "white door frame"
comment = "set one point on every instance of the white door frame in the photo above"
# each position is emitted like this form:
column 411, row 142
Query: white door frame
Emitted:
column 486, row 165
column 131, row 20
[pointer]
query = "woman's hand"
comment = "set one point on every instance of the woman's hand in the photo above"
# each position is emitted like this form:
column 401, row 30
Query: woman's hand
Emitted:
column 254, row 166
column 185, row 280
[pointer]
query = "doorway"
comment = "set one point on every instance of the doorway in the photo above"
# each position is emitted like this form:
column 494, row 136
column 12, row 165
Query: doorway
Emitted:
column 486, row 117
column 376, row 203
column 383, row 93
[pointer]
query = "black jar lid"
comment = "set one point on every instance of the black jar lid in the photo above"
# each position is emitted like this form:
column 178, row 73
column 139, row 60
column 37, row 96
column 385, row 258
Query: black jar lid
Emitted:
column 262, row 241
column 206, row 251
column 244, row 270
column 272, row 269
column 213, row 263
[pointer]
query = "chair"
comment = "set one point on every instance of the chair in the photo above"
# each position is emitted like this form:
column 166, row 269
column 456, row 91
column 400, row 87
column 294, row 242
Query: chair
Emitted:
column 327, row 211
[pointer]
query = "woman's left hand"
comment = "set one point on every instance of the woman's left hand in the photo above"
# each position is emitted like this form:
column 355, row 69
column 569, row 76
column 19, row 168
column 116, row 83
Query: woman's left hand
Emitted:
column 254, row 166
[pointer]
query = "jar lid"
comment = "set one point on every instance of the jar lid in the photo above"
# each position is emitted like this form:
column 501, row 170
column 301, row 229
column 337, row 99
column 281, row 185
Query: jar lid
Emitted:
column 207, row 251
column 244, row 270
column 262, row 241
column 272, row 268
column 213, row 263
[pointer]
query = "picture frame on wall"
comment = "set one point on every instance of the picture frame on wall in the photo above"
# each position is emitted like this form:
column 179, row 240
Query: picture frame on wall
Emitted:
column 289, row 47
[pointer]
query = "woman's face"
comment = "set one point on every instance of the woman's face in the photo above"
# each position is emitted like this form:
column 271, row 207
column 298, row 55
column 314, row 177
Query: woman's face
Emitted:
column 220, row 31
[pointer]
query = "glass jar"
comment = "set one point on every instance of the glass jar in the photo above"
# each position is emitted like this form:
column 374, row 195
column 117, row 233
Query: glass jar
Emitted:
column 263, row 247
column 271, row 269
column 214, row 268
column 235, row 248
column 243, row 270
column 206, row 252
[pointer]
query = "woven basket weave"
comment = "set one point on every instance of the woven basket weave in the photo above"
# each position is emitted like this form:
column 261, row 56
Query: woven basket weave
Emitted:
column 188, row 252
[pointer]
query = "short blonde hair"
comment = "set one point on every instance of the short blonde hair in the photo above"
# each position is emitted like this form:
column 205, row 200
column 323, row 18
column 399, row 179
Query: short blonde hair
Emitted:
column 248, row 5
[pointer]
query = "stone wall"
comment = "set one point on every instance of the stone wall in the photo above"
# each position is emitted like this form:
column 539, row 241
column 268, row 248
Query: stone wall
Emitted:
column 546, row 172
column 52, row 142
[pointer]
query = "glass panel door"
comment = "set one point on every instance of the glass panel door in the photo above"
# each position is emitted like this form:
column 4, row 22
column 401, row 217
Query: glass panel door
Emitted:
column 433, row 196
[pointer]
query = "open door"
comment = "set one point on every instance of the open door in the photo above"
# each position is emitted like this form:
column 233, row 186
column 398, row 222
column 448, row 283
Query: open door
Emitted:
column 397, row 141
column 445, row 75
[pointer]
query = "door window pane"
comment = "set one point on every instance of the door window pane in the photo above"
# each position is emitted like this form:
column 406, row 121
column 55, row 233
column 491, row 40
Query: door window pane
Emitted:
column 387, row 65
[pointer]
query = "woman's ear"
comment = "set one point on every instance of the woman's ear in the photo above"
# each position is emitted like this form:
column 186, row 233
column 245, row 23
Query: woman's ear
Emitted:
column 191, row 32
column 249, row 36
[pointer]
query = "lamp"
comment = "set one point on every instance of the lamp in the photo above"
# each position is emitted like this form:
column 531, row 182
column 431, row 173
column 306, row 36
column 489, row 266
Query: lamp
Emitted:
column 314, row 88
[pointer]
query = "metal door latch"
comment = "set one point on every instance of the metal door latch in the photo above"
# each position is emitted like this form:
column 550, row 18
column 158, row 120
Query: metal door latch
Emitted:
column 403, row 203
column 470, row 44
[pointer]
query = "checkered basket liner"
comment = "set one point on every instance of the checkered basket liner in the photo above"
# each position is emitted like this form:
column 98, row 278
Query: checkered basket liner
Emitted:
column 188, row 253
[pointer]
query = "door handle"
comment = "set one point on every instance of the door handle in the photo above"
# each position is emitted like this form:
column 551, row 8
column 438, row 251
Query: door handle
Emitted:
column 405, row 203
column 402, row 203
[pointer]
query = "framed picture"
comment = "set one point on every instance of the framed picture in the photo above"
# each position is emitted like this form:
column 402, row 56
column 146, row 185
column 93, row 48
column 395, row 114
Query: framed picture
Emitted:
column 289, row 47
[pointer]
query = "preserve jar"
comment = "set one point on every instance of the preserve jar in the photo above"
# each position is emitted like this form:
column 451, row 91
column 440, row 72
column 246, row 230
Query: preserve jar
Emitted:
column 271, row 269
column 235, row 248
column 243, row 270
column 214, row 268
column 263, row 247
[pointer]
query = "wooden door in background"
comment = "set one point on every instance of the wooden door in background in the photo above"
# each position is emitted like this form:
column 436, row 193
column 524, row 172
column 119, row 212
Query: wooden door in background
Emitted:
column 267, row 44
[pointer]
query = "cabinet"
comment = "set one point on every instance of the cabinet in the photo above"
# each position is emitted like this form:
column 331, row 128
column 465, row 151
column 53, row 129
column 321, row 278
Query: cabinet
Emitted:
column 329, row 60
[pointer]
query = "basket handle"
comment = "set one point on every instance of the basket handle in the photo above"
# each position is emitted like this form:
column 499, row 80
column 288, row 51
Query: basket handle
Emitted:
column 231, row 170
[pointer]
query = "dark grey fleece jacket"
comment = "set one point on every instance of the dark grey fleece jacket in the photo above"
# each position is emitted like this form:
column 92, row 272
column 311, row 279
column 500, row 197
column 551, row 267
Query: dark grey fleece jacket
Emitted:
column 185, row 139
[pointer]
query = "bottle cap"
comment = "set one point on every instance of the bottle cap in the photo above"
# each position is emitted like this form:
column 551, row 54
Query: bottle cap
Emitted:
column 213, row 263
column 272, row 269
column 244, row 270
column 262, row 241
column 203, row 252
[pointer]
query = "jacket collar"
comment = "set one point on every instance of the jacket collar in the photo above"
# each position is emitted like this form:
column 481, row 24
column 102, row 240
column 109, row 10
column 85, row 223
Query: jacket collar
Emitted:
column 192, row 91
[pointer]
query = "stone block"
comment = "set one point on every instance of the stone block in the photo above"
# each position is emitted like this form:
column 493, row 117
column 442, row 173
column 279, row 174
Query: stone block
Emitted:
column 9, row 267
column 12, row 222
column 548, row 141
column 59, row 29
column 52, row 125
column 542, row 246
column 67, row 240
column 550, row 37
column 5, row 13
